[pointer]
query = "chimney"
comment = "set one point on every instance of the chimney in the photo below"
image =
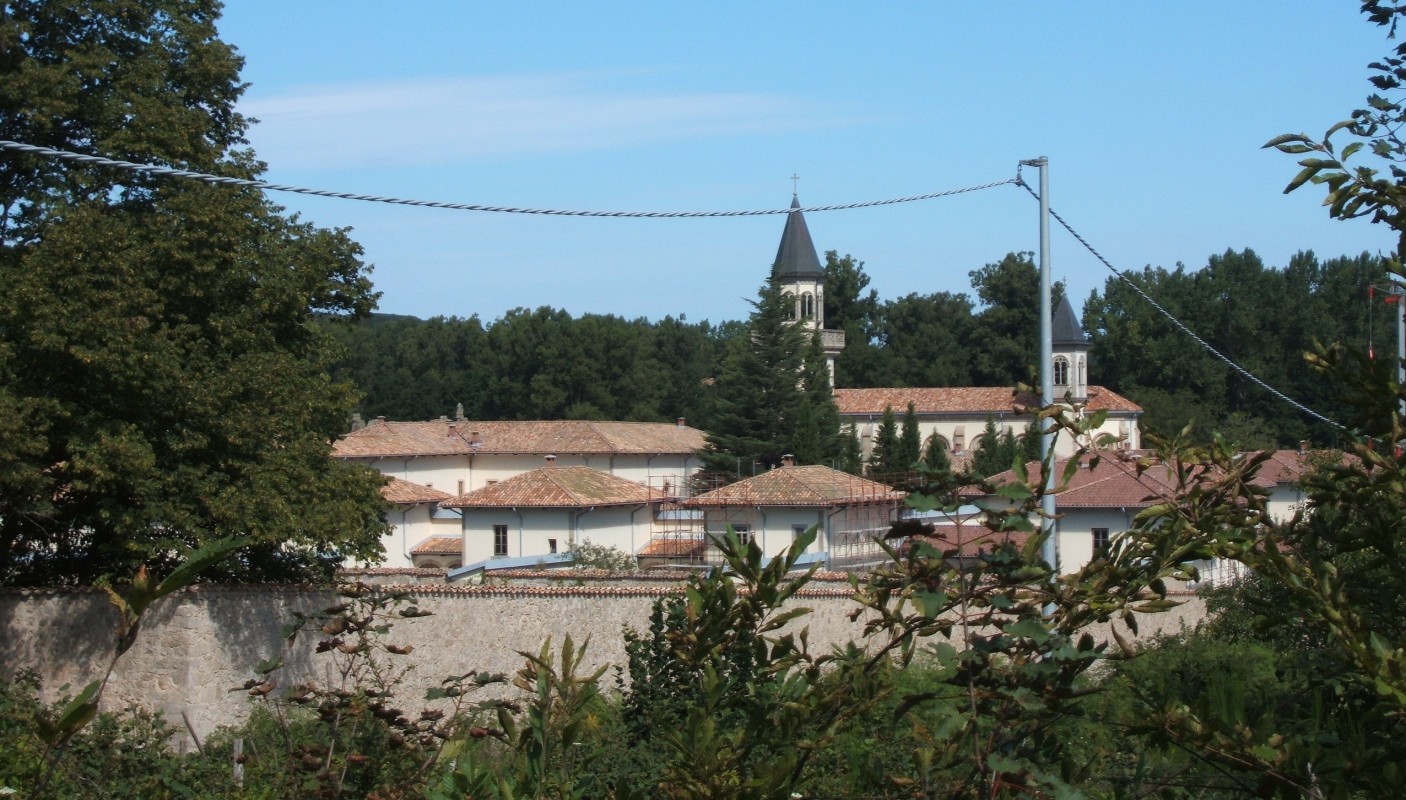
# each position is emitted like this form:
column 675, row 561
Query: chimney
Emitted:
column 788, row 460
column 475, row 441
column 381, row 419
column 453, row 429
column 357, row 423
column 458, row 412
column 681, row 422
column 1303, row 446
column 551, row 460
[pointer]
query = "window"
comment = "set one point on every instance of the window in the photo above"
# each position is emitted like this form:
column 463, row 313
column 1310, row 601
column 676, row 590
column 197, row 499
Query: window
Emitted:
column 797, row 531
column 551, row 545
column 793, row 303
column 1100, row 540
column 500, row 540
column 744, row 534
column 461, row 487
column 1061, row 371
column 807, row 305
column 959, row 439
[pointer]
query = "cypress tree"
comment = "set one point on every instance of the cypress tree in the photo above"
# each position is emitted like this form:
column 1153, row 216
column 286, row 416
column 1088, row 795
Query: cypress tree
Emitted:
column 995, row 453
column 884, row 457
column 935, row 456
column 817, row 439
column 851, row 454
column 910, row 443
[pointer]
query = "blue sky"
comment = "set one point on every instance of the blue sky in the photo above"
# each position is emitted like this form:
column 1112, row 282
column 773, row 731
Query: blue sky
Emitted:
column 1152, row 116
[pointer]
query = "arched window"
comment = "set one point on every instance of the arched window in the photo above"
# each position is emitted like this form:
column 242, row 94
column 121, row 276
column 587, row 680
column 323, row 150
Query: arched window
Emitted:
column 793, row 304
column 1061, row 371
column 807, row 305
column 1083, row 372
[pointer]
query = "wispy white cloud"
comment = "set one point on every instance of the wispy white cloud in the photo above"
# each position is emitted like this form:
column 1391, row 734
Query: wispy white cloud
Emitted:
column 439, row 120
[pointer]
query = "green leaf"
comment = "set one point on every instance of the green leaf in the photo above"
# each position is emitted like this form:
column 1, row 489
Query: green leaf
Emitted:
column 1014, row 491
column 197, row 562
column 79, row 711
column 1285, row 139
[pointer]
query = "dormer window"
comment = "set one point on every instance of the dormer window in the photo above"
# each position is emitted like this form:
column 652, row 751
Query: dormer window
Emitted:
column 1061, row 371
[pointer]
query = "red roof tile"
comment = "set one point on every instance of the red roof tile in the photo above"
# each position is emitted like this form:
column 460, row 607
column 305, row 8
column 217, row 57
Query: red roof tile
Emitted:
column 439, row 546
column 555, row 487
column 1113, row 483
column 969, row 540
column 799, row 486
column 675, row 546
column 963, row 400
column 403, row 492
column 382, row 439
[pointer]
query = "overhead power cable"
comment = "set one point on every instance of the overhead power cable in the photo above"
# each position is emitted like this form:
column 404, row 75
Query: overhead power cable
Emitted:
column 1128, row 279
column 169, row 172
column 222, row 180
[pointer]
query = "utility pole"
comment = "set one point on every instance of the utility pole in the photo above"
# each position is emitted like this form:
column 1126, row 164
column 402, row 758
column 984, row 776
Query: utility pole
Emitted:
column 1050, row 551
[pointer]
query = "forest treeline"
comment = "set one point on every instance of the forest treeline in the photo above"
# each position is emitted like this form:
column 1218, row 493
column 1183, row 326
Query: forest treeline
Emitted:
column 547, row 364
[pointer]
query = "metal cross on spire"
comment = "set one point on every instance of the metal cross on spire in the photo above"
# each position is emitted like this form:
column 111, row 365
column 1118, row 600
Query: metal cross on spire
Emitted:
column 795, row 183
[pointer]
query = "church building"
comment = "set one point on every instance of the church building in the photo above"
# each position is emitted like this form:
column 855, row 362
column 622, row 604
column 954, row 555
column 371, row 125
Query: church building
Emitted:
column 955, row 414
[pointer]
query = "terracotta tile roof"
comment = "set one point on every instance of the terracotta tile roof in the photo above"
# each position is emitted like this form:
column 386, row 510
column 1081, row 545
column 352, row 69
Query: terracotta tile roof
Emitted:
column 963, row 400
column 800, row 486
column 1289, row 466
column 1113, row 483
column 382, row 439
column 675, row 546
column 969, row 540
column 555, row 487
column 403, row 492
column 439, row 546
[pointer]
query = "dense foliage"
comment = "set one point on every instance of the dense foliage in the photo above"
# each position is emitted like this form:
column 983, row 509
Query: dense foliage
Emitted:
column 534, row 364
column 161, row 382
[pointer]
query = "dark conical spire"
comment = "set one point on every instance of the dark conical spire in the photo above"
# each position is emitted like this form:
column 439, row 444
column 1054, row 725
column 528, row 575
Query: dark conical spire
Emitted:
column 1065, row 329
column 796, row 258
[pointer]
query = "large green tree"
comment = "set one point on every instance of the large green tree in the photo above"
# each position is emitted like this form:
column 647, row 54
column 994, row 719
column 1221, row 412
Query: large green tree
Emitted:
column 758, row 392
column 162, row 383
column 1008, row 327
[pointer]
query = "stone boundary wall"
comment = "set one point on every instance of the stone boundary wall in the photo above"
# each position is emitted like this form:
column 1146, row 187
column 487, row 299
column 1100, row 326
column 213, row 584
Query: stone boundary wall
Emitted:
column 195, row 646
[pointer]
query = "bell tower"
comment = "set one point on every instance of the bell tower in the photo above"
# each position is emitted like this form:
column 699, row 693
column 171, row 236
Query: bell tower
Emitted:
column 1071, row 354
column 798, row 274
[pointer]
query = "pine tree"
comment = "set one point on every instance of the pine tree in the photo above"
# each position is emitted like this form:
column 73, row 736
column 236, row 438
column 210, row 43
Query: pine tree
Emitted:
column 758, row 391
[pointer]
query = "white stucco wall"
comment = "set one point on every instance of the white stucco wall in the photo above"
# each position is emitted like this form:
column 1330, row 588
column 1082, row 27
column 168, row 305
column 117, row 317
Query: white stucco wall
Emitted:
column 1076, row 533
column 411, row 525
column 971, row 429
column 531, row 529
column 460, row 474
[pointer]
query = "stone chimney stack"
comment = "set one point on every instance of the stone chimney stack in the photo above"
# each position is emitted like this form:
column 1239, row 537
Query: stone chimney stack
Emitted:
column 788, row 460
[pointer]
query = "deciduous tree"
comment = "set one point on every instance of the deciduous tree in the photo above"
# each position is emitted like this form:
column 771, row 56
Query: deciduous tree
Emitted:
column 161, row 378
